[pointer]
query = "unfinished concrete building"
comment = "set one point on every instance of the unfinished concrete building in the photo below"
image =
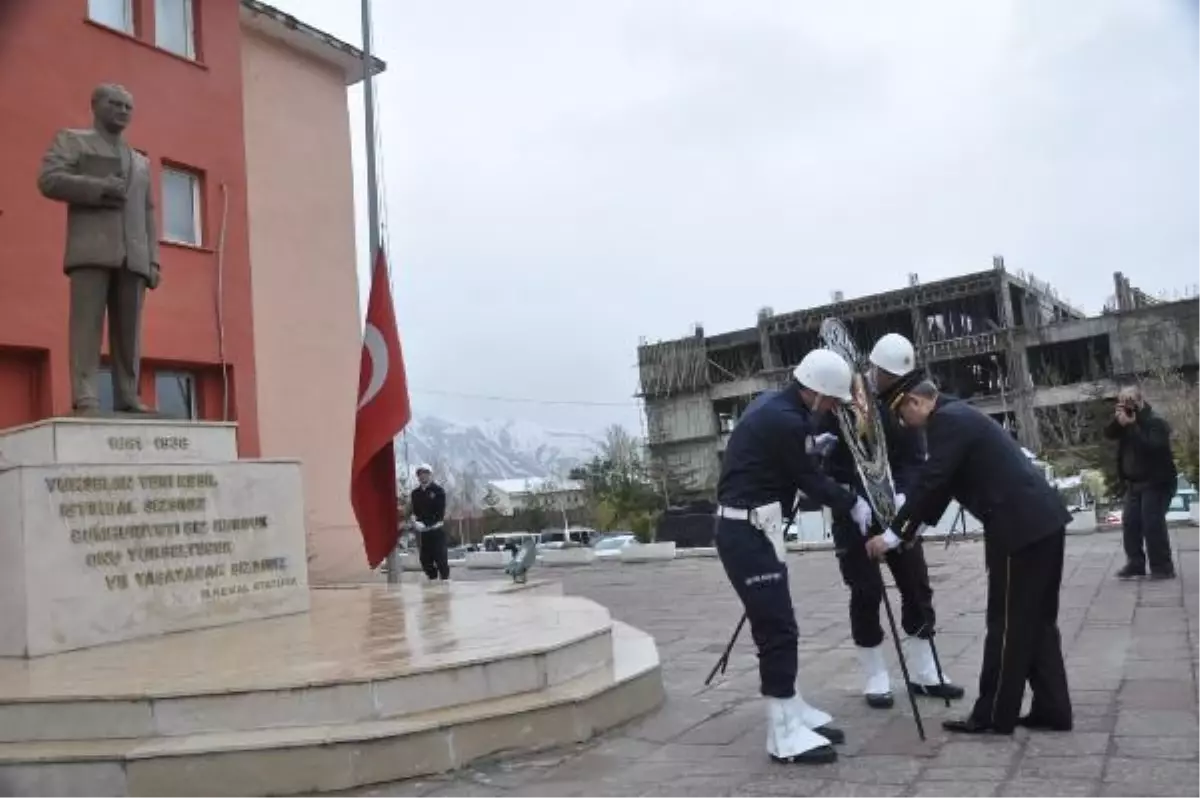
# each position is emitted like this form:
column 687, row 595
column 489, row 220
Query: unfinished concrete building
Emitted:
column 1001, row 340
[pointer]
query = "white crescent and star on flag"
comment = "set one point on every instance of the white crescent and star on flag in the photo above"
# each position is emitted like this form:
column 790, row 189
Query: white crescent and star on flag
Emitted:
column 377, row 352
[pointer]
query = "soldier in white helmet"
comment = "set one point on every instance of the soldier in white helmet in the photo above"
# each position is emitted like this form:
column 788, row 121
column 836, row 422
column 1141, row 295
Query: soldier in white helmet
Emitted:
column 891, row 359
column 765, row 464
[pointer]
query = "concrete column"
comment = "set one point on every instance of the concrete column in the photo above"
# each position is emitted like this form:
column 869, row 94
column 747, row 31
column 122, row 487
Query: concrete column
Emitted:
column 1021, row 389
column 769, row 360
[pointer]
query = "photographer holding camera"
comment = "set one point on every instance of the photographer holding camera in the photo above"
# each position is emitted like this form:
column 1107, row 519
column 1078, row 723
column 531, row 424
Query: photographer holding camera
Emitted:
column 1146, row 468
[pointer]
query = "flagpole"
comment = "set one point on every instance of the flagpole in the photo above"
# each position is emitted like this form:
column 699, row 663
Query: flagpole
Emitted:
column 373, row 231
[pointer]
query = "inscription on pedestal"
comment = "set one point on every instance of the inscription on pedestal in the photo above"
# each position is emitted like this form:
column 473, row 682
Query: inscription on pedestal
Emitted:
column 107, row 441
column 115, row 552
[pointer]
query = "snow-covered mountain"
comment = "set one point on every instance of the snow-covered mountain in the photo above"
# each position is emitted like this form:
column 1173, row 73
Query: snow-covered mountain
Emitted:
column 493, row 449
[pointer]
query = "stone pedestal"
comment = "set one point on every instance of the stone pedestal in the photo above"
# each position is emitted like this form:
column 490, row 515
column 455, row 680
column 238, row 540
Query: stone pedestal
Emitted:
column 123, row 529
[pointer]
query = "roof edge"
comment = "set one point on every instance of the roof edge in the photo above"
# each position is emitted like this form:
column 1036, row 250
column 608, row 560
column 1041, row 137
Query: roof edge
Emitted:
column 283, row 27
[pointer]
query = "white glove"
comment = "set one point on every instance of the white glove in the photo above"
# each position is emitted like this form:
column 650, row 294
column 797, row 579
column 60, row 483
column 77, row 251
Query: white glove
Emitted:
column 900, row 499
column 417, row 525
column 861, row 514
column 823, row 444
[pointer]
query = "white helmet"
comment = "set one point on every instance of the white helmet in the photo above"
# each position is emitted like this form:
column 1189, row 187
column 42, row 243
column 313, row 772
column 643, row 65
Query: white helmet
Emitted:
column 894, row 354
column 425, row 467
column 826, row 372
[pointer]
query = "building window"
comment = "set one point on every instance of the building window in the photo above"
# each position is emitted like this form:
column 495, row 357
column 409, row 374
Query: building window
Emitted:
column 174, row 27
column 175, row 394
column 104, row 389
column 181, row 206
column 115, row 14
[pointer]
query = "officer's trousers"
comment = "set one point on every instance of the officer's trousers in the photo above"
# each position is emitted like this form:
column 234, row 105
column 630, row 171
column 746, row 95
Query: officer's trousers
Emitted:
column 434, row 556
column 1023, row 643
column 863, row 577
column 761, row 582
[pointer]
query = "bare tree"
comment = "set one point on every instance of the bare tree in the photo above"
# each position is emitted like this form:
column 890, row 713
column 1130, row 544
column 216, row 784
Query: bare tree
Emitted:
column 1072, row 433
column 1174, row 396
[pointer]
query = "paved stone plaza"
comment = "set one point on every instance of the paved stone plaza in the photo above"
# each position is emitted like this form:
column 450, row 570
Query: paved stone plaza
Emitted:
column 1131, row 656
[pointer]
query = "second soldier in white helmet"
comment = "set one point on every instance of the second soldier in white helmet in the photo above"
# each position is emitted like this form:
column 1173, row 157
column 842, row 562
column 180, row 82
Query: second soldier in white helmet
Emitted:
column 891, row 359
column 765, row 463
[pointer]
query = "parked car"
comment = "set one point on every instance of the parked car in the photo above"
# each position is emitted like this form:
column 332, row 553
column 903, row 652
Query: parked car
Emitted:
column 611, row 546
column 557, row 539
column 506, row 541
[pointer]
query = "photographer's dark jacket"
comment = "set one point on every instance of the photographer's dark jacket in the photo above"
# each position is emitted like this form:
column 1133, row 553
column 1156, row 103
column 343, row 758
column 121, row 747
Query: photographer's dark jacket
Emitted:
column 429, row 504
column 1144, row 454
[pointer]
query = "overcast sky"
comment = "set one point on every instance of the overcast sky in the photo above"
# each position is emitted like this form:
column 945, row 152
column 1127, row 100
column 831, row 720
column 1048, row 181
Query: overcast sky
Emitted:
column 563, row 178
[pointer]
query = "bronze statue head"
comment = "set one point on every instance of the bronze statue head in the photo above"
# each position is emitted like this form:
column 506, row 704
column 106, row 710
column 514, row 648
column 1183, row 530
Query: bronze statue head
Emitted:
column 112, row 107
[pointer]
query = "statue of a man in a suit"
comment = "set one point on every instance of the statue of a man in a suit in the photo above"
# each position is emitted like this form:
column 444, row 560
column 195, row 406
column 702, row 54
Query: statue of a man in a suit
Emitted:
column 112, row 245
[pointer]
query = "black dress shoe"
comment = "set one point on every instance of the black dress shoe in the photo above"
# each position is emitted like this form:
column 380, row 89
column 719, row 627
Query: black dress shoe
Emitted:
column 947, row 690
column 1036, row 723
column 969, row 725
column 832, row 734
column 823, row 755
column 1131, row 572
column 1162, row 573
column 880, row 700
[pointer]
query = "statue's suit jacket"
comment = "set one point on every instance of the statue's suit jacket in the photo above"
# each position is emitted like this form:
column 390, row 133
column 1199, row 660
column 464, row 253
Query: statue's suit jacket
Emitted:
column 99, row 236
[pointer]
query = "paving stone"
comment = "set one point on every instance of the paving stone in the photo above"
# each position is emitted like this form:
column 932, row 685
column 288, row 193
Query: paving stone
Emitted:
column 964, row 774
column 1171, row 723
column 1158, row 747
column 957, row 788
column 1156, row 694
column 843, row 788
column 1044, row 787
column 975, row 754
column 878, row 769
column 1142, row 771
column 1133, row 688
column 1061, row 767
column 1066, row 743
column 797, row 786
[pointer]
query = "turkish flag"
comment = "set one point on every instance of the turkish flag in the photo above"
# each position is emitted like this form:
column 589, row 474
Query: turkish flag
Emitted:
column 383, row 412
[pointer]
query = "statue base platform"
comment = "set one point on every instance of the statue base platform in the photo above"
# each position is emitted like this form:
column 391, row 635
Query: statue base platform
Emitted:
column 374, row 684
column 118, row 529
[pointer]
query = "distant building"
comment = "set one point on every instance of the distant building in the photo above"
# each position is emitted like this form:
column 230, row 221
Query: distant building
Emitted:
column 516, row 495
column 1004, row 342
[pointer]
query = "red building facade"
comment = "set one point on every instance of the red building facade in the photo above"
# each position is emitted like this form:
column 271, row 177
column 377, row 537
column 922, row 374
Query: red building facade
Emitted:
column 185, row 73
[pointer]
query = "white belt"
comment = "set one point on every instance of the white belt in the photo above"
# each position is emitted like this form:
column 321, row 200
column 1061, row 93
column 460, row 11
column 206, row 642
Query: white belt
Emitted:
column 733, row 513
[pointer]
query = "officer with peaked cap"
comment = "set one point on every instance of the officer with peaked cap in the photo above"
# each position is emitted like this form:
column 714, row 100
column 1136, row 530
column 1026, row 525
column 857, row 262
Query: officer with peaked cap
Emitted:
column 974, row 460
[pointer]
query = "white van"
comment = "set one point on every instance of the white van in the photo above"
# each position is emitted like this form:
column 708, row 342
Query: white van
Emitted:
column 557, row 539
column 501, row 541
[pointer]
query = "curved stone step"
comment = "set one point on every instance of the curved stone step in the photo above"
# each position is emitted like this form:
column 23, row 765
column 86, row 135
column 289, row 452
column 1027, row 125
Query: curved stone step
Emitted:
column 361, row 654
column 319, row 758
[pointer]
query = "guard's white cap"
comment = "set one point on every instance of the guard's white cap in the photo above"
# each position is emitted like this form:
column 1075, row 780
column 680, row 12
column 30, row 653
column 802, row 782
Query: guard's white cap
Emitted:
column 424, row 467
column 826, row 372
column 894, row 354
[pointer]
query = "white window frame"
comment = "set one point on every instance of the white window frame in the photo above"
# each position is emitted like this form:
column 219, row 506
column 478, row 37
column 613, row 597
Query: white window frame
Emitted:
column 189, row 28
column 126, row 10
column 197, row 216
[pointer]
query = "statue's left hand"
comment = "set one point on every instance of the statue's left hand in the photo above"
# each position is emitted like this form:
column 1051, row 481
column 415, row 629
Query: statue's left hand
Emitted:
column 152, row 281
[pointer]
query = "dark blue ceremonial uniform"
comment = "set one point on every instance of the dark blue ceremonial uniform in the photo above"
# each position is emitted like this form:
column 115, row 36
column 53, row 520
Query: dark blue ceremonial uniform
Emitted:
column 906, row 455
column 973, row 459
column 766, row 461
